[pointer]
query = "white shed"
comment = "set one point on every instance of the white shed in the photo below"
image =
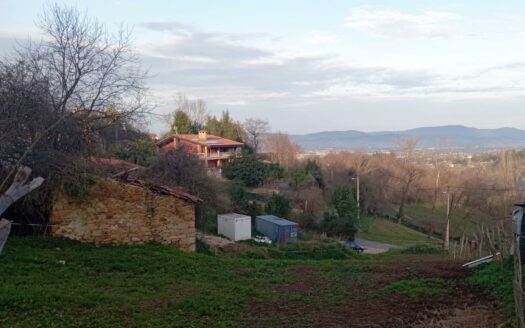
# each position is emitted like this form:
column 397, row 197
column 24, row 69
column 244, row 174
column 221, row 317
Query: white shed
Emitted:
column 234, row 226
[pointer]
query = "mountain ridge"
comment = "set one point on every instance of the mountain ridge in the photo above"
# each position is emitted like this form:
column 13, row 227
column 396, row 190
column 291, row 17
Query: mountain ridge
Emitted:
column 445, row 136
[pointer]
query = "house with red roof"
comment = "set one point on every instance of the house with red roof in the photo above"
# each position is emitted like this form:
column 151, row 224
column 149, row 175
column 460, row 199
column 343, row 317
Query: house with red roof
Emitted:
column 214, row 150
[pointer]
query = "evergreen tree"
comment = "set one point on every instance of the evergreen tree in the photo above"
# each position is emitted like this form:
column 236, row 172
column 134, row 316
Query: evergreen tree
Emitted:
column 279, row 205
column 182, row 123
column 225, row 127
column 344, row 202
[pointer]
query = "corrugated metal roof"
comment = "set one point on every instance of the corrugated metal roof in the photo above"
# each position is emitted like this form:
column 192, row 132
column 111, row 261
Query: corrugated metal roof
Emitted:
column 277, row 220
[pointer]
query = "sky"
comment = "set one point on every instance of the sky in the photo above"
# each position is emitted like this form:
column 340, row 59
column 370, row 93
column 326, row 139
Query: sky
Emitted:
column 309, row 65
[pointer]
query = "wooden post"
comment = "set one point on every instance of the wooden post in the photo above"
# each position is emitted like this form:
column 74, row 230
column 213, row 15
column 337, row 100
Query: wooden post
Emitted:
column 18, row 189
column 5, row 228
column 517, row 283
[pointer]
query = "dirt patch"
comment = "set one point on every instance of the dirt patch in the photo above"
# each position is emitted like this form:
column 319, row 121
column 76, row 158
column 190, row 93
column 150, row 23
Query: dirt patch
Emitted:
column 222, row 246
column 480, row 316
column 315, row 297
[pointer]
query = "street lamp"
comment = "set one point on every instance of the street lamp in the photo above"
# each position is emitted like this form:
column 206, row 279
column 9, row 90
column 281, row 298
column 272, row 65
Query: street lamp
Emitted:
column 357, row 196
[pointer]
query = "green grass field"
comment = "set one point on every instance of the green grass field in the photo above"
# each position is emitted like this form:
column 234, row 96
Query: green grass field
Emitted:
column 47, row 282
column 386, row 231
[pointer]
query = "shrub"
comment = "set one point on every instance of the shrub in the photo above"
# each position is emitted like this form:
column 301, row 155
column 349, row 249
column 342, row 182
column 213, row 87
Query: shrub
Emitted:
column 344, row 201
column 422, row 249
column 420, row 287
column 335, row 226
column 279, row 205
column 248, row 169
column 238, row 195
column 307, row 251
column 141, row 152
column 315, row 170
column 79, row 186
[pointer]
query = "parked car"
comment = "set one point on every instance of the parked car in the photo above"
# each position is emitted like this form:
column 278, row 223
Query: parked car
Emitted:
column 262, row 239
column 354, row 246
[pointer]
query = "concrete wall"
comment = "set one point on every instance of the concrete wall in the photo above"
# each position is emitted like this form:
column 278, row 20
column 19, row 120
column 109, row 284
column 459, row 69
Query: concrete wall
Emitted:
column 119, row 213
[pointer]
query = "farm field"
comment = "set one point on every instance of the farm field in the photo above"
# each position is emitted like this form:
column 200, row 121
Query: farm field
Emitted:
column 46, row 282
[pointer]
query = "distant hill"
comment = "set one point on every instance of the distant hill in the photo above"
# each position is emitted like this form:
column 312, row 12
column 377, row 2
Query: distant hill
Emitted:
column 450, row 136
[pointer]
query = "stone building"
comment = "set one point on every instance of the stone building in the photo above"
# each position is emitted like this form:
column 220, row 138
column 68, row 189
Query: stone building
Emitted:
column 126, row 212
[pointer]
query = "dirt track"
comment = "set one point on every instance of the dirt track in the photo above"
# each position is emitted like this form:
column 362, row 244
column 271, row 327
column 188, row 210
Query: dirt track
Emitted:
column 362, row 304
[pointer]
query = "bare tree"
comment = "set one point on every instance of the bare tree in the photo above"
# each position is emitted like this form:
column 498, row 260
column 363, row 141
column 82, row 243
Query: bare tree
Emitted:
column 281, row 149
column 90, row 75
column 409, row 173
column 409, row 176
column 196, row 110
column 255, row 128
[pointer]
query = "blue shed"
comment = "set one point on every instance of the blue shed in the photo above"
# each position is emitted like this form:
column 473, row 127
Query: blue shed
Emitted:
column 277, row 229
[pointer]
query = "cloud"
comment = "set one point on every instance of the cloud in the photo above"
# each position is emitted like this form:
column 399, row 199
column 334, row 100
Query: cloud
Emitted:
column 186, row 43
column 234, row 71
column 318, row 37
column 432, row 24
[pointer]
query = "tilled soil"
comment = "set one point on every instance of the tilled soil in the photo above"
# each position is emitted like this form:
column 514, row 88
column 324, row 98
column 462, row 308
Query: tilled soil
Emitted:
column 314, row 298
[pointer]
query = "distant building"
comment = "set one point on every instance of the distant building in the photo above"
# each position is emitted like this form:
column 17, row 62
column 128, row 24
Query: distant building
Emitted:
column 213, row 149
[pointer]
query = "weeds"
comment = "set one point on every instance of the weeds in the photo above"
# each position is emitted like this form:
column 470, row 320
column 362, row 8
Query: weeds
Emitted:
column 420, row 287
column 497, row 278
column 422, row 249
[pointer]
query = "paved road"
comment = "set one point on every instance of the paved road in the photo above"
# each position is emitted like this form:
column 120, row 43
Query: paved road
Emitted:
column 374, row 247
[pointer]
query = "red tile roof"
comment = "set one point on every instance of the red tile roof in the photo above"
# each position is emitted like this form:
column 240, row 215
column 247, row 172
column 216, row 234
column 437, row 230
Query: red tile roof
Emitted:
column 211, row 140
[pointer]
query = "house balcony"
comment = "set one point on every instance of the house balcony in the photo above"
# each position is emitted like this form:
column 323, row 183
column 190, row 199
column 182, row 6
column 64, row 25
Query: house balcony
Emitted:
column 218, row 155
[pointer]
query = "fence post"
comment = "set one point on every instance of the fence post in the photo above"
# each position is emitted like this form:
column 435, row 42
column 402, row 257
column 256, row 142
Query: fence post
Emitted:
column 518, row 289
column 5, row 228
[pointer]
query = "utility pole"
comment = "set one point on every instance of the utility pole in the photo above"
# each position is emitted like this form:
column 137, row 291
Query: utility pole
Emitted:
column 447, row 229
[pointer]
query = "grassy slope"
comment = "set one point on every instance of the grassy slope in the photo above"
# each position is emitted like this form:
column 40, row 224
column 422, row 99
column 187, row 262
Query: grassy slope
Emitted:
column 460, row 221
column 386, row 231
column 141, row 286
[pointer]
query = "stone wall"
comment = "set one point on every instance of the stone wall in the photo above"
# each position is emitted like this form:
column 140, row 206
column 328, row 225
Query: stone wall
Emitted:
column 117, row 213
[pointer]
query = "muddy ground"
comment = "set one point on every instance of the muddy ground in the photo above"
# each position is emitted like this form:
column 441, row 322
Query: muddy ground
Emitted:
column 358, row 298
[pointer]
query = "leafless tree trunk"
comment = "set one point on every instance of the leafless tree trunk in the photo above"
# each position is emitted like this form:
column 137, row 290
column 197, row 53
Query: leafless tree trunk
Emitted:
column 18, row 189
column 410, row 177
column 196, row 110
column 436, row 186
column 410, row 172
column 255, row 128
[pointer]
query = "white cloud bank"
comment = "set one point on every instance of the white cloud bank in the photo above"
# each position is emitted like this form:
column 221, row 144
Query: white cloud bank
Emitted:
column 433, row 24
